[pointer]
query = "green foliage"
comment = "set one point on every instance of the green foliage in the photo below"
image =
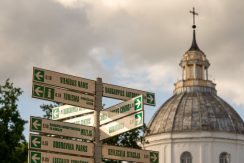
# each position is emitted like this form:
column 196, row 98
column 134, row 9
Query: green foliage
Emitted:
column 127, row 139
column 47, row 108
column 11, row 125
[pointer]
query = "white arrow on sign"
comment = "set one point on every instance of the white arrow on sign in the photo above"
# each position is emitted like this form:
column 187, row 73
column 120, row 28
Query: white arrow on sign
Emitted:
column 138, row 103
column 35, row 158
column 139, row 120
column 150, row 98
column 38, row 91
column 35, row 142
column 36, row 124
column 38, row 75
column 154, row 157
column 55, row 113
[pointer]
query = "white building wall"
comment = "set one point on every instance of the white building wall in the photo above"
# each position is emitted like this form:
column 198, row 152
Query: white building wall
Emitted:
column 205, row 147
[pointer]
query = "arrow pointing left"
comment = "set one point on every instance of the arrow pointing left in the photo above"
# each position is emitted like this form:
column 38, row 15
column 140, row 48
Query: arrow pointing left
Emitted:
column 35, row 158
column 38, row 91
column 36, row 124
column 38, row 75
column 35, row 141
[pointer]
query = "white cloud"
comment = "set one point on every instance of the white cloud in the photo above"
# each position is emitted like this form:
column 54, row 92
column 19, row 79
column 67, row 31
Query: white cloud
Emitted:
column 127, row 42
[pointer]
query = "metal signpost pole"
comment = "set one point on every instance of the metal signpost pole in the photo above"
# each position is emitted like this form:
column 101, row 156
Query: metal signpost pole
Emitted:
column 98, row 107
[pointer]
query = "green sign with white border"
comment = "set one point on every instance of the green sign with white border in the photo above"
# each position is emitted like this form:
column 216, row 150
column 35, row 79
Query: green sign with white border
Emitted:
column 63, row 80
column 47, row 157
column 124, row 93
column 47, row 92
column 121, row 110
column 66, row 111
column 122, row 125
column 43, row 125
column 130, row 154
column 111, row 114
column 38, row 142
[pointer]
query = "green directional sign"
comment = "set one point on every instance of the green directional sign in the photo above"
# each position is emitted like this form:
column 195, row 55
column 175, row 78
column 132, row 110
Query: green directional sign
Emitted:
column 124, row 93
column 55, row 113
column 63, row 80
column 43, row 125
column 150, row 98
column 47, row 92
column 38, row 75
column 36, row 124
column 87, row 120
column 154, row 157
column 139, row 119
column 38, row 91
column 122, row 125
column 35, row 157
column 121, row 110
column 48, row 143
column 67, row 111
column 138, row 103
column 35, row 141
column 48, row 157
column 129, row 154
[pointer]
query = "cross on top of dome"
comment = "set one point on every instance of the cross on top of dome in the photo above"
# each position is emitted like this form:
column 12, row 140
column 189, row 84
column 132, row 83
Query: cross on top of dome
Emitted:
column 193, row 14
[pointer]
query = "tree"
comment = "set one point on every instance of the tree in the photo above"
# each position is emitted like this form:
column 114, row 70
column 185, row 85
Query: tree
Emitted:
column 11, row 126
column 47, row 108
column 127, row 139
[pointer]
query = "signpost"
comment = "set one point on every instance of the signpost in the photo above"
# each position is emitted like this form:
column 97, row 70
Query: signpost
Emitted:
column 63, row 80
column 122, row 125
column 121, row 110
column 65, row 111
column 47, row 157
column 111, row 114
column 50, row 93
column 129, row 154
column 85, row 96
column 46, row 143
column 61, row 128
column 123, row 93
column 87, row 120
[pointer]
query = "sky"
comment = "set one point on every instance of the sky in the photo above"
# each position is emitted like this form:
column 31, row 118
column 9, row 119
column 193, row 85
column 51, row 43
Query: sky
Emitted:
column 132, row 43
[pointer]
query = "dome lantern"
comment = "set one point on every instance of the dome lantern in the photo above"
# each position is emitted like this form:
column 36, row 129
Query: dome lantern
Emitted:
column 194, row 65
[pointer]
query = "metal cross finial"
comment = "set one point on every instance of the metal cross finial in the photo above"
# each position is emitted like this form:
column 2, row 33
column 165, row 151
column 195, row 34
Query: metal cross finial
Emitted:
column 193, row 13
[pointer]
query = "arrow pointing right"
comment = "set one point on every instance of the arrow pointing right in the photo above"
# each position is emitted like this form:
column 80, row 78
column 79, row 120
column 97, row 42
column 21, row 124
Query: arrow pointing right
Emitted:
column 138, row 103
column 35, row 158
column 138, row 118
column 150, row 98
column 154, row 157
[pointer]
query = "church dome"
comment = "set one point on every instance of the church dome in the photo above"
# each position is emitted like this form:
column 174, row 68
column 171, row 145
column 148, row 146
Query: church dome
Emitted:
column 196, row 111
column 195, row 105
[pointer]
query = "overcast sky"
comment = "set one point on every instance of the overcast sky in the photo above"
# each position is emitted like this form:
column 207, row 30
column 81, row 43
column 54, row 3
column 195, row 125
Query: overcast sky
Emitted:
column 133, row 43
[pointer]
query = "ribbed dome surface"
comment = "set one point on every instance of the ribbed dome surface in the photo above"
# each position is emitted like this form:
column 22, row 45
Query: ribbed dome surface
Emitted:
column 195, row 111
